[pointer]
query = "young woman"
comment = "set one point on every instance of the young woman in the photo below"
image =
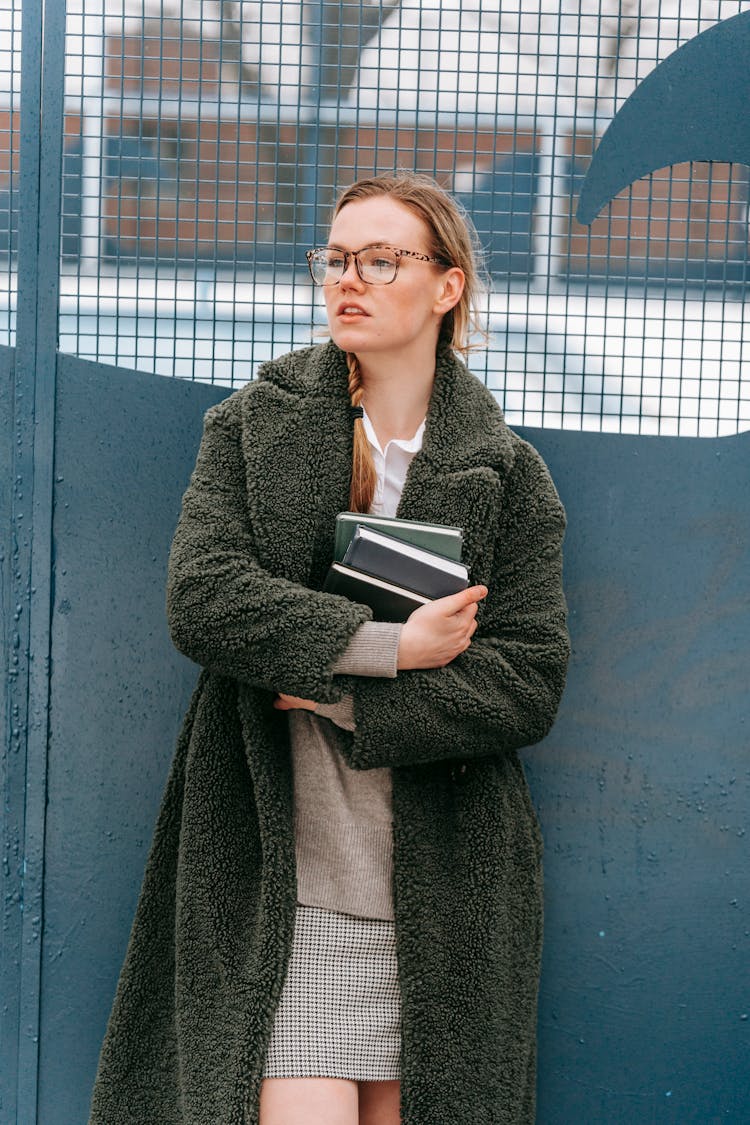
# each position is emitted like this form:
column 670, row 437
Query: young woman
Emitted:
column 340, row 922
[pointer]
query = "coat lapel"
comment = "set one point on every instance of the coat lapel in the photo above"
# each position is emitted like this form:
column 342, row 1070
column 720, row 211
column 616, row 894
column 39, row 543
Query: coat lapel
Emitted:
column 298, row 448
column 458, row 475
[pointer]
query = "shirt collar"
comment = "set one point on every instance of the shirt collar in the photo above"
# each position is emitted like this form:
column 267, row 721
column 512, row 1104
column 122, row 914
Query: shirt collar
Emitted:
column 410, row 445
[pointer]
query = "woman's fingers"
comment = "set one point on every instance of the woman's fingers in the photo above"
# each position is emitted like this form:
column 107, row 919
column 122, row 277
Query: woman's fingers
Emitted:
column 293, row 702
column 464, row 599
column 437, row 632
column 470, row 633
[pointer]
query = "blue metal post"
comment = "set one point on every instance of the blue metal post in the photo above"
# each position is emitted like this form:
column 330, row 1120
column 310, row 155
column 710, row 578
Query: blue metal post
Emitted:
column 42, row 94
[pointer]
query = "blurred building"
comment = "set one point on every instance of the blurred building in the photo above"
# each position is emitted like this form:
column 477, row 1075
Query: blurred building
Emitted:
column 226, row 137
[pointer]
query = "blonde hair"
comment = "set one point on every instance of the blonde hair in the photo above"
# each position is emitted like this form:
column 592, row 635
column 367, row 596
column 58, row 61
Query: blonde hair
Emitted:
column 453, row 240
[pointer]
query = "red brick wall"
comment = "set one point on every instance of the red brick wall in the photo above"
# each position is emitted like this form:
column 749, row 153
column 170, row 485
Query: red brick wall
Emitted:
column 695, row 211
column 237, row 181
column 163, row 59
column 365, row 151
column 10, row 140
column 226, row 190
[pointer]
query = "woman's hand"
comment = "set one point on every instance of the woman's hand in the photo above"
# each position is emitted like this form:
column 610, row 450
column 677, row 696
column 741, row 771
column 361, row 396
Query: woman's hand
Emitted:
column 436, row 633
column 292, row 702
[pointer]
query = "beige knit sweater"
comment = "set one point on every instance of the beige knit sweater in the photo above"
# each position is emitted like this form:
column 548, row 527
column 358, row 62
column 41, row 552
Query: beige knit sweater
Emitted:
column 343, row 816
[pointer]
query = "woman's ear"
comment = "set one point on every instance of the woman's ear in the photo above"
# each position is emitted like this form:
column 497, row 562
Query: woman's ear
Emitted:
column 451, row 288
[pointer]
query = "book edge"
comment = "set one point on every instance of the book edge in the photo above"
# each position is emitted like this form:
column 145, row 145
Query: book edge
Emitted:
column 381, row 583
column 416, row 552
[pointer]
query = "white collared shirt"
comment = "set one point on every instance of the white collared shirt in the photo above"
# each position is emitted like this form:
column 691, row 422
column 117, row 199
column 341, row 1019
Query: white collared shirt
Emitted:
column 391, row 466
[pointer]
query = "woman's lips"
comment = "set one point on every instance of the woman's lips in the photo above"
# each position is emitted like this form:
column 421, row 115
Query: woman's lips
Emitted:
column 350, row 312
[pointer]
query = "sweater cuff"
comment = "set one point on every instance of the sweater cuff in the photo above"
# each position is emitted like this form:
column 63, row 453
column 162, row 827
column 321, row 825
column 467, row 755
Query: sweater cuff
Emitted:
column 341, row 713
column 372, row 651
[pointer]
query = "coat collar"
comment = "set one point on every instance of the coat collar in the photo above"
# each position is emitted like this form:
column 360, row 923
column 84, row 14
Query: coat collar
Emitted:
column 297, row 439
column 464, row 425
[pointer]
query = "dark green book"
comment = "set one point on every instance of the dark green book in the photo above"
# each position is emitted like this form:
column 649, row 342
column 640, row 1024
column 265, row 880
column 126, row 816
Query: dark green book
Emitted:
column 437, row 537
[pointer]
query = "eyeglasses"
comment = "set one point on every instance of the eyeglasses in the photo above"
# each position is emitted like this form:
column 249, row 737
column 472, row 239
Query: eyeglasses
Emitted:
column 376, row 265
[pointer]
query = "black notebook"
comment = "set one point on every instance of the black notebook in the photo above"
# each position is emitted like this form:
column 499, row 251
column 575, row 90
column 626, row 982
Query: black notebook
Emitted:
column 404, row 564
column 388, row 601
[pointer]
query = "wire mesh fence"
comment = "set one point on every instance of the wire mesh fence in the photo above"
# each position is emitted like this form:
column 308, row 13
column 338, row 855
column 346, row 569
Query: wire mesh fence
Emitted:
column 204, row 144
column 10, row 128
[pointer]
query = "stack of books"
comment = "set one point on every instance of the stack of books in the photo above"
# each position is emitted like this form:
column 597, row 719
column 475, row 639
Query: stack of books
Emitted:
column 394, row 565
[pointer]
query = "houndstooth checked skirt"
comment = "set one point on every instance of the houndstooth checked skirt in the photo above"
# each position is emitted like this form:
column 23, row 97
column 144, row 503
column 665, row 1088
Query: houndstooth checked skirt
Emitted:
column 339, row 1012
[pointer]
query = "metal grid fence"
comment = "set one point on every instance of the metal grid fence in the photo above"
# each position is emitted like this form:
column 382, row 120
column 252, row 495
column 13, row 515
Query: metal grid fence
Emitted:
column 10, row 126
column 204, row 142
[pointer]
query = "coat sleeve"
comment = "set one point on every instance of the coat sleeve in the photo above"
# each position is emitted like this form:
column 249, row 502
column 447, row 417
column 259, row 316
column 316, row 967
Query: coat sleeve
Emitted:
column 224, row 610
column 503, row 692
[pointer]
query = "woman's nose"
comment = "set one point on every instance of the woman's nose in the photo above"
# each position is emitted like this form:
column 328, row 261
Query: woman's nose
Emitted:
column 350, row 276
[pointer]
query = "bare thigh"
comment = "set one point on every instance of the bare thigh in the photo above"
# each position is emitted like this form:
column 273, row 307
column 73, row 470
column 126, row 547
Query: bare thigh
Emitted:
column 309, row 1101
column 379, row 1103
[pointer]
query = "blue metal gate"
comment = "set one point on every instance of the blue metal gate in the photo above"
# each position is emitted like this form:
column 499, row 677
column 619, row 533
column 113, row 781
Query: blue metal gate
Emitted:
column 643, row 787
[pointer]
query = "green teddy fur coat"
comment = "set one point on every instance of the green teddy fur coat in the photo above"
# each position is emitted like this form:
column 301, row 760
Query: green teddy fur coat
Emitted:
column 210, row 942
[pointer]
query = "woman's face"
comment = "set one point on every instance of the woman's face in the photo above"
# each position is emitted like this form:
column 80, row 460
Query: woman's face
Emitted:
column 400, row 320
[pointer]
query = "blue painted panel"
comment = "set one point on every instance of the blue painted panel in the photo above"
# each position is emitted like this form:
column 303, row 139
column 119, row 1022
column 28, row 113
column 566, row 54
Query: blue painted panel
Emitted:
column 125, row 446
column 643, row 788
column 693, row 106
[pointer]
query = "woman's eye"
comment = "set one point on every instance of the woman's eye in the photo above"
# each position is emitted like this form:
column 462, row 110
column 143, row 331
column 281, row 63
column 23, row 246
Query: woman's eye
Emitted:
column 335, row 261
column 382, row 264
